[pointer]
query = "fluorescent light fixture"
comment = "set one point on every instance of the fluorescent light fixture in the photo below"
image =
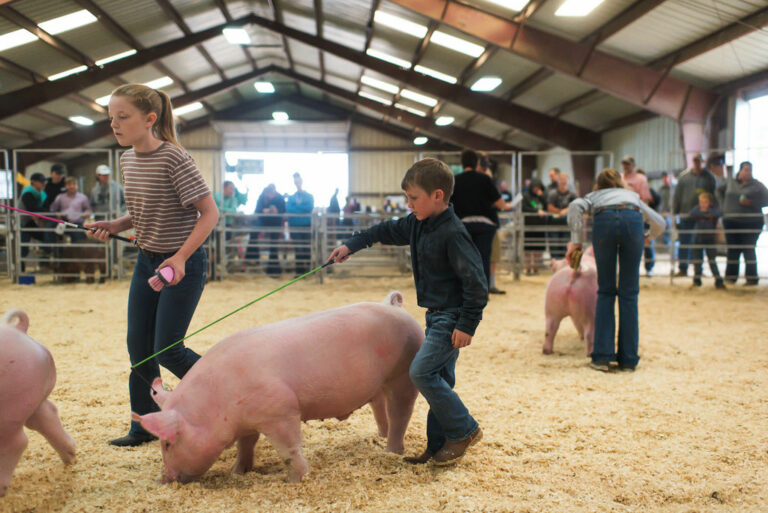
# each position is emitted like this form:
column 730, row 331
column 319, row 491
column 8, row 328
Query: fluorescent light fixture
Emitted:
column 457, row 44
column 400, row 24
column 237, row 36
column 67, row 22
column 153, row 84
column 159, row 82
column 81, row 120
column 16, row 38
column 264, row 87
column 375, row 98
column 444, row 120
column 420, row 140
column 435, row 74
column 379, row 84
column 389, row 58
column 418, row 97
column 411, row 109
column 577, row 7
column 280, row 116
column 486, row 84
column 67, row 72
column 514, row 5
column 116, row 57
column 186, row 109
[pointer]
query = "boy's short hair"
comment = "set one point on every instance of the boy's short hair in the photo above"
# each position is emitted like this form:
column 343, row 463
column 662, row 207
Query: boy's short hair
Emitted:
column 468, row 159
column 708, row 196
column 58, row 169
column 37, row 177
column 228, row 182
column 430, row 174
column 70, row 179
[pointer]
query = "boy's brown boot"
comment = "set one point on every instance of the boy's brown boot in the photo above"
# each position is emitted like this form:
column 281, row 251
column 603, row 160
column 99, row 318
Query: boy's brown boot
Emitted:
column 419, row 460
column 453, row 451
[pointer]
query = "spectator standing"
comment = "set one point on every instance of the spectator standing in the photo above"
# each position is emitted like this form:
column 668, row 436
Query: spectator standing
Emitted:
column 270, row 202
column 228, row 200
column 484, row 166
column 107, row 194
column 554, row 175
column 705, row 215
column 534, row 206
column 558, row 200
column 333, row 207
column 743, row 201
column 72, row 205
column 54, row 186
column 301, row 202
column 32, row 199
column 692, row 182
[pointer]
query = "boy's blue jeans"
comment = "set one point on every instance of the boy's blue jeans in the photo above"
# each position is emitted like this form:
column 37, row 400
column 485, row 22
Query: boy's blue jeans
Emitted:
column 433, row 372
column 617, row 233
column 158, row 319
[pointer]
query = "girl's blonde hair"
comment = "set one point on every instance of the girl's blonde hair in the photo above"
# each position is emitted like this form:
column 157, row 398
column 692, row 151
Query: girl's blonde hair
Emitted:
column 608, row 179
column 149, row 100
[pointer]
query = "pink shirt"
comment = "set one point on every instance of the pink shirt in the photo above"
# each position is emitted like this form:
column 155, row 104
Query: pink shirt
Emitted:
column 639, row 184
column 73, row 207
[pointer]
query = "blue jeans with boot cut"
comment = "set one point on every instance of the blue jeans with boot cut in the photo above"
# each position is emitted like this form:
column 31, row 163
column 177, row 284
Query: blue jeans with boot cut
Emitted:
column 433, row 371
column 617, row 233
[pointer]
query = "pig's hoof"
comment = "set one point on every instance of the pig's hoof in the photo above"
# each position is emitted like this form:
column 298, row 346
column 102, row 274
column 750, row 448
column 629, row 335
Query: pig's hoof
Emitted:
column 241, row 467
column 547, row 350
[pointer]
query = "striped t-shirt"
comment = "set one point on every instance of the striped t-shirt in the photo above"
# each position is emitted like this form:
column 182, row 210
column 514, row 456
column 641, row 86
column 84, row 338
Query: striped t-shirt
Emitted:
column 161, row 187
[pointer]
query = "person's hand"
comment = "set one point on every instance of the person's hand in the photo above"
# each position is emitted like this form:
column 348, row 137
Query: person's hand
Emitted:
column 103, row 230
column 647, row 241
column 340, row 254
column 460, row 339
column 178, row 264
column 744, row 201
column 569, row 253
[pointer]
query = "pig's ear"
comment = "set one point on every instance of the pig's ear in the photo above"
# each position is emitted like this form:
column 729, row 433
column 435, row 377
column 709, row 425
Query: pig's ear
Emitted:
column 159, row 393
column 162, row 424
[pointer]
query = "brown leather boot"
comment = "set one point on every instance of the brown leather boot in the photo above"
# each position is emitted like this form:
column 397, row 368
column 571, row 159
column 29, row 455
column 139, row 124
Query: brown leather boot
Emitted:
column 419, row 460
column 453, row 451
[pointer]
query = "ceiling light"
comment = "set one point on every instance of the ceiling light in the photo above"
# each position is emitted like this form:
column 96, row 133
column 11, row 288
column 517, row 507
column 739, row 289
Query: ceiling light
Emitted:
column 67, row 73
column 400, row 24
column 514, row 5
column 237, row 36
column 411, row 109
column 67, row 22
column 435, row 74
column 486, row 84
column 81, row 120
column 444, row 120
column 375, row 98
column 379, row 84
column 16, row 38
column 418, row 97
column 264, row 87
column 389, row 58
column 186, row 109
column 116, row 57
column 280, row 116
column 457, row 44
column 577, row 7
column 420, row 140
column 159, row 82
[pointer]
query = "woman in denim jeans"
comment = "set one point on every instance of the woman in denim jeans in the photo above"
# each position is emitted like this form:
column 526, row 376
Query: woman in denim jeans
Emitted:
column 172, row 211
column 617, row 230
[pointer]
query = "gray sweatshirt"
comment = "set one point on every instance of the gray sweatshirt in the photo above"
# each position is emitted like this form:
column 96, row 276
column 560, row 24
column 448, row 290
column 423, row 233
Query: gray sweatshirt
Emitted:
column 689, row 186
column 606, row 198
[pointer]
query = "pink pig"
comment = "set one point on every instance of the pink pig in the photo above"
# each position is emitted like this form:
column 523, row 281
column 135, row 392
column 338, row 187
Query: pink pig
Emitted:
column 269, row 379
column 572, row 293
column 27, row 376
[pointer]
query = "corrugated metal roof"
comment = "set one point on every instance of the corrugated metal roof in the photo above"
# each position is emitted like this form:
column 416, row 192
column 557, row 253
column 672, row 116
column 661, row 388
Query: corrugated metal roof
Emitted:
column 65, row 108
column 226, row 54
column 82, row 39
column 186, row 64
column 576, row 28
column 10, row 82
column 143, row 19
column 199, row 15
column 343, row 36
column 509, row 67
column 44, row 10
column 552, row 92
column 342, row 67
column 27, row 122
column 39, row 57
column 597, row 114
column 350, row 85
column 674, row 24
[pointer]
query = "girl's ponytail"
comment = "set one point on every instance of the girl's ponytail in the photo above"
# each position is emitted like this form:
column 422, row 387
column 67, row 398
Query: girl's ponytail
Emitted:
column 165, row 128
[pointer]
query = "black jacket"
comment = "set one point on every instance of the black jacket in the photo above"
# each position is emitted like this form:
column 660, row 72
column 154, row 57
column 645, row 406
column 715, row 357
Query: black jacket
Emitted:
column 447, row 268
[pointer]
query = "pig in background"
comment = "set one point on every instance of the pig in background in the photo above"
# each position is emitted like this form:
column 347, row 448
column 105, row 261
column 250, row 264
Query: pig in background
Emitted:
column 571, row 293
column 267, row 380
column 27, row 377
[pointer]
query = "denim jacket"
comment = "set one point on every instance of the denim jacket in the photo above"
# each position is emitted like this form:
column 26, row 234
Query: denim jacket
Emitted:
column 447, row 268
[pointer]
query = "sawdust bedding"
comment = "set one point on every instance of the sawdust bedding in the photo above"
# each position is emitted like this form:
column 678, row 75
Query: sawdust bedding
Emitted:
column 686, row 432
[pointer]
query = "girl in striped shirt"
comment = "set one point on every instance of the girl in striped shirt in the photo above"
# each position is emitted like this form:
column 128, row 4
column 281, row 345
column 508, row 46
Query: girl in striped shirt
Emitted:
column 172, row 211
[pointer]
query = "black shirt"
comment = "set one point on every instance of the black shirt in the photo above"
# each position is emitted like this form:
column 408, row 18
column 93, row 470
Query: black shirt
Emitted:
column 276, row 201
column 474, row 195
column 447, row 268
column 51, row 191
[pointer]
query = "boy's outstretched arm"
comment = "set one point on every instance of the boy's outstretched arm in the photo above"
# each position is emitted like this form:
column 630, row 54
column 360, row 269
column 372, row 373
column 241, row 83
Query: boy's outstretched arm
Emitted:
column 340, row 254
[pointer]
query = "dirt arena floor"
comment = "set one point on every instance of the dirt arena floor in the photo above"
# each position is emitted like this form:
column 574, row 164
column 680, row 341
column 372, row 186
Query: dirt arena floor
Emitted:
column 688, row 431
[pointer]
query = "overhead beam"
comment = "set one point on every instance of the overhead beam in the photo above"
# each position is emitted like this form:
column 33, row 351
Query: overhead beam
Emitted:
column 534, row 123
column 278, row 14
column 319, row 20
column 619, row 77
column 31, row 96
column 222, row 5
column 426, row 125
column 749, row 82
